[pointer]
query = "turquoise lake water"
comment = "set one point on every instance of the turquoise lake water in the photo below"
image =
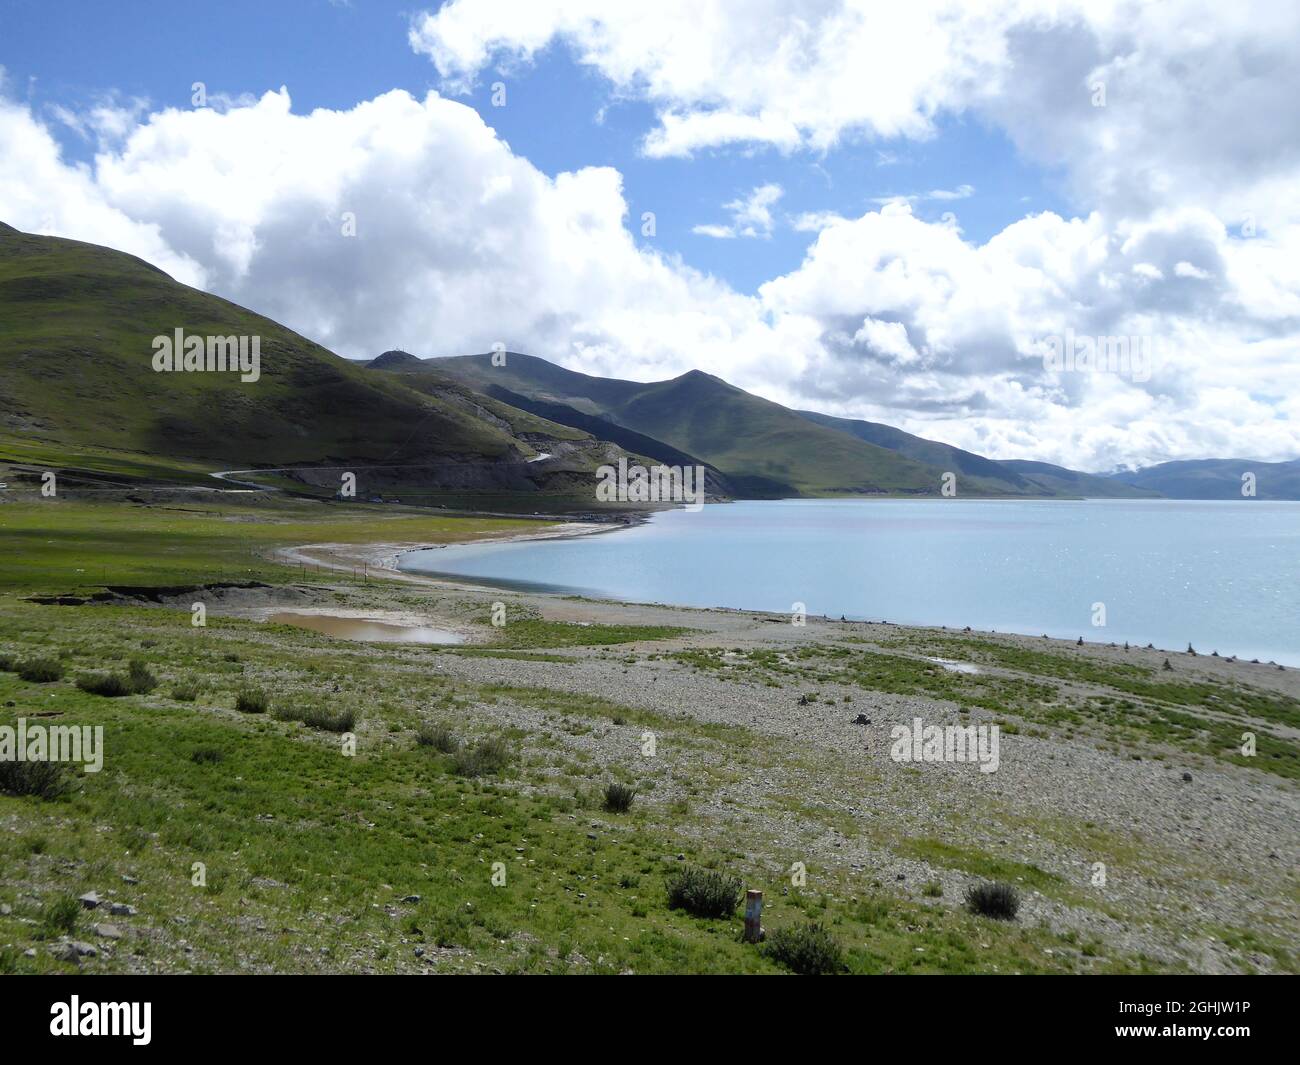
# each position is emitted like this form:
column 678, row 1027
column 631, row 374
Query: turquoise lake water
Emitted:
column 1223, row 575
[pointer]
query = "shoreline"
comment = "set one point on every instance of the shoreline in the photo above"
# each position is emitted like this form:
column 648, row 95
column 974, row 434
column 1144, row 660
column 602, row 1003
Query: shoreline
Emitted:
column 382, row 559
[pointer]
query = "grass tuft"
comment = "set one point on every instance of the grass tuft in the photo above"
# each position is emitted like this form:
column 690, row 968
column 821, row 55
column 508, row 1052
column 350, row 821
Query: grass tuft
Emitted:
column 618, row 797
column 703, row 892
column 807, row 949
column 997, row 900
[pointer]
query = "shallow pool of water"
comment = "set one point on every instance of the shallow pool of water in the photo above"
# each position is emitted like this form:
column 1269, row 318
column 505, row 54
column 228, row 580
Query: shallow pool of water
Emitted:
column 368, row 630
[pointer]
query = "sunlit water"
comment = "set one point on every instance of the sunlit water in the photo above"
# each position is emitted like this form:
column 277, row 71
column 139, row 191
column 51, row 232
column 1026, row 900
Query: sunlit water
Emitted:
column 1223, row 576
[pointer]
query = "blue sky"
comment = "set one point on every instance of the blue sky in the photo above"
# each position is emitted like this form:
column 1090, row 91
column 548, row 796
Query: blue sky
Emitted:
column 558, row 114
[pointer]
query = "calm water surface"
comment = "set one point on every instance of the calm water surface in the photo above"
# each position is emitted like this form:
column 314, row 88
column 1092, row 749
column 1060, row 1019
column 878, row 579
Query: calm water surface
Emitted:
column 1223, row 575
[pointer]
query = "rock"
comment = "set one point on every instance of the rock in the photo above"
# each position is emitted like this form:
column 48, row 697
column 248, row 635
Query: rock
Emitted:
column 129, row 879
column 6, row 909
column 121, row 909
column 73, row 951
column 107, row 931
column 862, row 719
column 89, row 900
column 411, row 898
column 30, row 952
column 1187, row 778
column 419, row 952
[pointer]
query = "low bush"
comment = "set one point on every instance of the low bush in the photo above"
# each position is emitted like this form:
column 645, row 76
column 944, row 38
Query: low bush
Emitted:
column 483, row 758
column 44, row 780
column 186, row 692
column 41, row 670
column 703, row 892
column 109, row 685
column 319, row 717
column 439, row 737
column 807, row 949
column 252, row 701
column 142, row 679
column 997, row 900
column 618, row 797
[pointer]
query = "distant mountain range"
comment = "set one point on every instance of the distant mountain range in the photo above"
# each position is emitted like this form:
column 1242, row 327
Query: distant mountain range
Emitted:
column 78, row 385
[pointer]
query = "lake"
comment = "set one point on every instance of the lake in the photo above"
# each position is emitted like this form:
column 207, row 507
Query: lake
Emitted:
column 1222, row 575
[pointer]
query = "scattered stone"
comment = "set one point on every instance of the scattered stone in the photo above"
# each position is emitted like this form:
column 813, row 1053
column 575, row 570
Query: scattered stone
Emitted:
column 73, row 951
column 107, row 931
column 412, row 899
column 121, row 909
column 129, row 879
column 862, row 719
column 1187, row 778
column 5, row 909
column 89, row 900
column 419, row 952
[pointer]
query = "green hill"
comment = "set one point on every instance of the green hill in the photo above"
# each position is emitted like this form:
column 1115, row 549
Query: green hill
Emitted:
column 78, row 383
column 1216, row 479
column 762, row 448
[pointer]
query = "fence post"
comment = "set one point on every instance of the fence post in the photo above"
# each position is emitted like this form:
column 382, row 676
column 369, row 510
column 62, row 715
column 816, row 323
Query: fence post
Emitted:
column 753, row 916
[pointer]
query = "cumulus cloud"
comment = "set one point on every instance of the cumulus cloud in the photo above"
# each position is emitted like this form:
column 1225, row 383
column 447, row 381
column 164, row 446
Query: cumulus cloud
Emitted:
column 1186, row 242
column 751, row 216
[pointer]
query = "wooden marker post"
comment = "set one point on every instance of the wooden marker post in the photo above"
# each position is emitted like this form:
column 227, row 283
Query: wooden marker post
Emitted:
column 753, row 916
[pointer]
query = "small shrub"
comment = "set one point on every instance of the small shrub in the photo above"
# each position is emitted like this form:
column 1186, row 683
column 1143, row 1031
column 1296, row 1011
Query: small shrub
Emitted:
column 45, row 780
column 997, row 900
column 439, row 737
column 142, row 679
column 252, row 701
column 185, row 692
column 485, row 757
column 207, row 755
column 8, row 663
column 41, row 670
column 807, row 949
column 319, row 717
column 59, row 916
column 703, row 892
column 618, row 797
column 109, row 685
column 932, row 889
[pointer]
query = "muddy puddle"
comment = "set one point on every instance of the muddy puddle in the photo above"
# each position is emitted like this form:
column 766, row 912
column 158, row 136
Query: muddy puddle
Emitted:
column 368, row 630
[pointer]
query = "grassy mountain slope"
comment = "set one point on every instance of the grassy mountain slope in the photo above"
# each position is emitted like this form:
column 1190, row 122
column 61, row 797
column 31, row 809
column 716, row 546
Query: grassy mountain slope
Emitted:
column 78, row 391
column 76, row 328
column 762, row 448
column 944, row 456
column 1216, row 478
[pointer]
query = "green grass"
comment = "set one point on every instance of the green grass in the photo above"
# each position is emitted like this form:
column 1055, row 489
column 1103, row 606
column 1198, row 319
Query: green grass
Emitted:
column 308, row 852
column 78, row 547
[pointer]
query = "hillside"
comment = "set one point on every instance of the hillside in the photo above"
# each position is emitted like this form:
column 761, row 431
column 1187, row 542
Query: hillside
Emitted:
column 1216, row 478
column 77, row 329
column 761, row 447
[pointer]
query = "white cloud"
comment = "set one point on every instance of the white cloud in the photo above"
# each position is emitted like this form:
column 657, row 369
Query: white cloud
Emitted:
column 751, row 216
column 1189, row 231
